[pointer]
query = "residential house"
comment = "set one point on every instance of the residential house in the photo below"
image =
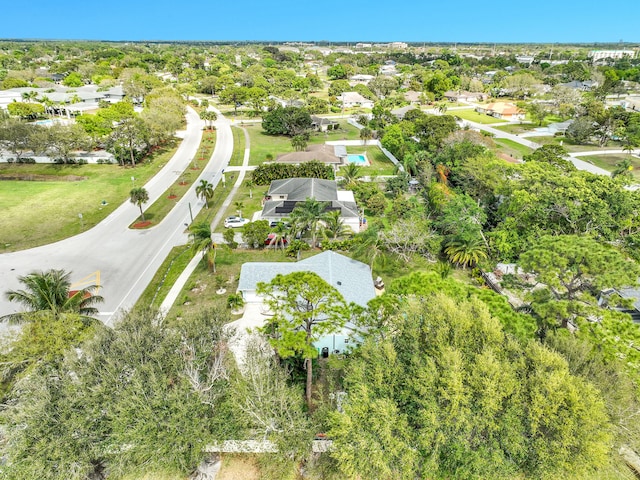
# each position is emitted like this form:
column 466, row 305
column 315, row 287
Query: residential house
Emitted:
column 329, row 154
column 583, row 86
column 322, row 124
column 284, row 195
column 401, row 112
column 462, row 96
column 360, row 79
column 351, row 278
column 503, row 110
column 354, row 99
column 413, row 97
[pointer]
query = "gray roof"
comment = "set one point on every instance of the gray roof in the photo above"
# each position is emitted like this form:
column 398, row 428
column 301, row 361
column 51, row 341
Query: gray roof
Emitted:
column 347, row 209
column 303, row 188
column 350, row 277
column 315, row 120
column 340, row 151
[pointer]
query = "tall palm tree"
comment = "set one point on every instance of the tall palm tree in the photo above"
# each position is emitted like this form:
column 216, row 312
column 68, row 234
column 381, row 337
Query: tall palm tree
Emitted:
column 205, row 190
column 279, row 235
column 466, row 251
column 139, row 195
column 366, row 134
column 200, row 234
column 239, row 207
column 370, row 247
column 308, row 215
column 209, row 116
column 334, row 226
column 50, row 291
column 249, row 184
column 350, row 174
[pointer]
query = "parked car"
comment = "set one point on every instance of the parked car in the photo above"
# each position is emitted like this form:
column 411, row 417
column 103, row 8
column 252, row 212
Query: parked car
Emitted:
column 275, row 223
column 234, row 222
column 271, row 238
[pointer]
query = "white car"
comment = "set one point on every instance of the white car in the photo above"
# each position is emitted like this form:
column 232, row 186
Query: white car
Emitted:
column 234, row 222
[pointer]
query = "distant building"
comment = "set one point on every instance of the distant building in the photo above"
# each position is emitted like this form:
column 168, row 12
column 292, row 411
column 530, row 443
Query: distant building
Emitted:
column 398, row 45
column 360, row 79
column 503, row 110
column 596, row 55
column 364, row 45
column 354, row 99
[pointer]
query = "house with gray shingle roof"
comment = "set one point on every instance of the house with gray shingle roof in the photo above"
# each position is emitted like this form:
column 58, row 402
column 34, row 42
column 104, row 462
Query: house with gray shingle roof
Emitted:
column 351, row 278
column 283, row 196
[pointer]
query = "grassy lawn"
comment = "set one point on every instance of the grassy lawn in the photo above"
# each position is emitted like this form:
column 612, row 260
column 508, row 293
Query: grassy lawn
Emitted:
column 608, row 162
column 517, row 128
column 574, row 147
column 511, row 148
column 474, row 116
column 238, row 148
column 163, row 205
column 40, row 212
column 200, row 290
column 380, row 164
column 165, row 277
column 249, row 205
column 263, row 145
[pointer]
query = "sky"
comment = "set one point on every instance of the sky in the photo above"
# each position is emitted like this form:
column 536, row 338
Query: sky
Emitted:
column 499, row 21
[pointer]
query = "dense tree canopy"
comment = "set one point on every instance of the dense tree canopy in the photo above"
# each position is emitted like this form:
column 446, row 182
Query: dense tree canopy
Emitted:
column 452, row 395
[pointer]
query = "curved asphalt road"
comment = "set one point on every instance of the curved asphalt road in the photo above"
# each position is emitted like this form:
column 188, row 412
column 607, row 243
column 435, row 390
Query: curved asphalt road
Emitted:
column 126, row 259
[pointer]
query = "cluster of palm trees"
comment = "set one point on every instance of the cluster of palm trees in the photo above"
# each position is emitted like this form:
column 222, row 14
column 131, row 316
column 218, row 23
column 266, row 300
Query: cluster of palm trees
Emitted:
column 310, row 218
column 209, row 116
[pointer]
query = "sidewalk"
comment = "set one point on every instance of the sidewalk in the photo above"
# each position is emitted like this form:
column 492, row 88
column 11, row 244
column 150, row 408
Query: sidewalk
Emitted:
column 177, row 287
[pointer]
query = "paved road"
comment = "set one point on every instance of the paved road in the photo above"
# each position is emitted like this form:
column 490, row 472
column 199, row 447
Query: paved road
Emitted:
column 180, row 282
column 126, row 259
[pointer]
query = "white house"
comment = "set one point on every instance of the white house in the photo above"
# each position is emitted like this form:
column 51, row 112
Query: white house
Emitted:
column 350, row 277
column 354, row 99
column 360, row 79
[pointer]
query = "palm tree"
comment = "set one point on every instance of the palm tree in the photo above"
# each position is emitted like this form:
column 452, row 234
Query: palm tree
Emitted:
column 308, row 215
column 366, row 134
column 50, row 291
column 239, row 207
column 409, row 164
column 249, row 184
column 466, row 251
column 200, row 234
column 205, row 191
column 442, row 108
column 279, row 235
column 370, row 247
column 350, row 174
column 334, row 226
column 209, row 116
column 299, row 143
column 623, row 169
column 139, row 195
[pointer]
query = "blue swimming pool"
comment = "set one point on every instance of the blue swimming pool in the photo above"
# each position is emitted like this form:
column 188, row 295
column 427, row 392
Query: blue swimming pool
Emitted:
column 357, row 159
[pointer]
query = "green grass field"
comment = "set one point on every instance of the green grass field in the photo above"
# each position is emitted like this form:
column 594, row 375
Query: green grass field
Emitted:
column 474, row 116
column 238, row 147
column 263, row 145
column 40, row 212
column 380, row 164
column 608, row 162
column 511, row 148
column 516, row 128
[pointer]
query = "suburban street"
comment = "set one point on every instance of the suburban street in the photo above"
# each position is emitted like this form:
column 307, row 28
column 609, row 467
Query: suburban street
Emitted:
column 125, row 259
